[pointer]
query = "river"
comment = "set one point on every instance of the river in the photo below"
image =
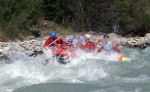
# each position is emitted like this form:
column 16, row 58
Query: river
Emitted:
column 86, row 73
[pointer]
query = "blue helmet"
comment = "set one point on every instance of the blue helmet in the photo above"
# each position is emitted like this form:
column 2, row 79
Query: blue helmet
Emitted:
column 108, row 47
column 53, row 34
column 70, row 40
column 80, row 40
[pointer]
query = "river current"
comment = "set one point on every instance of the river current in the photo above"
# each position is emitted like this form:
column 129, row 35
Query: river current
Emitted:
column 88, row 72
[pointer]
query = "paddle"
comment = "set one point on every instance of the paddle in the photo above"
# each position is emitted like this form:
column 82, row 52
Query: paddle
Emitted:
column 53, row 41
column 36, row 53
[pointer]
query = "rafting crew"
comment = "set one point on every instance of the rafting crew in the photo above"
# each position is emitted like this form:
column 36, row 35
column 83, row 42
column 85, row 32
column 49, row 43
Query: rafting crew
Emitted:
column 89, row 45
column 85, row 44
column 68, row 48
column 108, row 45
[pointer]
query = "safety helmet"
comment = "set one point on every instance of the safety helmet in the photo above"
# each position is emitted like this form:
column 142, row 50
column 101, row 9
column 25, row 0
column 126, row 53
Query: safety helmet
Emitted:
column 80, row 40
column 70, row 40
column 108, row 47
column 53, row 34
column 105, row 36
column 87, row 36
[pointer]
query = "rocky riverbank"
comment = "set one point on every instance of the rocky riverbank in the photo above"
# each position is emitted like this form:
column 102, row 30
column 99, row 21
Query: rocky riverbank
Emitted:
column 32, row 44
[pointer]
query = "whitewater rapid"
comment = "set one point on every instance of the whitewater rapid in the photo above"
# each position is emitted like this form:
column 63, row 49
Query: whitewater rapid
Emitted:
column 102, row 71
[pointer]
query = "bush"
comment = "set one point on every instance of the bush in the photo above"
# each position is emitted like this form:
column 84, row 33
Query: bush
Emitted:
column 17, row 17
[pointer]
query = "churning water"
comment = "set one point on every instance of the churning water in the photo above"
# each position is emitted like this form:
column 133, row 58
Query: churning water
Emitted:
column 88, row 72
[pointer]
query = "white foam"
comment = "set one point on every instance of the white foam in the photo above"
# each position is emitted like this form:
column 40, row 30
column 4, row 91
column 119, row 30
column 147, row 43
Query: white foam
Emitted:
column 25, row 71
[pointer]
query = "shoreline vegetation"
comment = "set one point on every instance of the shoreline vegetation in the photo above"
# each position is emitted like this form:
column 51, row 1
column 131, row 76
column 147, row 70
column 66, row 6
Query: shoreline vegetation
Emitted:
column 26, row 24
column 123, row 17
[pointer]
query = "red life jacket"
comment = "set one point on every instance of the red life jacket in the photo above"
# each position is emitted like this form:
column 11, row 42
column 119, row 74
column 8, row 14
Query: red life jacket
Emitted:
column 60, row 51
column 89, row 46
column 51, row 40
column 69, row 49
column 117, row 50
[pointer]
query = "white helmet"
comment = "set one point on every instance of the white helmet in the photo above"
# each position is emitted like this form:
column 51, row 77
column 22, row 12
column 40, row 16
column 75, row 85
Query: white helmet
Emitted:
column 87, row 36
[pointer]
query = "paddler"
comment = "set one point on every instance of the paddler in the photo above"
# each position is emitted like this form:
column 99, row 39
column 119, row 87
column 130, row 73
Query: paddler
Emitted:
column 80, row 43
column 107, row 45
column 69, row 47
column 89, row 45
column 53, row 42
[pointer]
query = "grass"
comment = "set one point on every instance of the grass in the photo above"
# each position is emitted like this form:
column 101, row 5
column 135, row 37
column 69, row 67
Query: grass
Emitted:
column 58, row 30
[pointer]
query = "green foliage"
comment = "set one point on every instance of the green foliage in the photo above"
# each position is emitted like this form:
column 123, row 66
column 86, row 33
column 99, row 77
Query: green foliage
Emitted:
column 17, row 17
column 130, row 16
column 146, row 22
column 99, row 15
column 56, row 10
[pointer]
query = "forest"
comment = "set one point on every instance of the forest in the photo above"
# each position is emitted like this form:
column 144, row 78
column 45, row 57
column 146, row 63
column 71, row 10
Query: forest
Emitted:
column 122, row 17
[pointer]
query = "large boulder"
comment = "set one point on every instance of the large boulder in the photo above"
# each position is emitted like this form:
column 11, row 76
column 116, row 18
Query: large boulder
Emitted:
column 147, row 38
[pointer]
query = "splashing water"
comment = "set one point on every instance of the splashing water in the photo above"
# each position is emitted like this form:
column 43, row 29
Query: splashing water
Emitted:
column 88, row 72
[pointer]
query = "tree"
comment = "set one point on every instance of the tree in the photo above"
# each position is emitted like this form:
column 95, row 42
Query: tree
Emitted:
column 17, row 17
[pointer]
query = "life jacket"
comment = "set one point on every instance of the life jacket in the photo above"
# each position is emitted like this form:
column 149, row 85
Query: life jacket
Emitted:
column 89, row 46
column 117, row 49
column 105, row 47
column 70, row 50
column 51, row 40
column 100, row 41
column 61, row 52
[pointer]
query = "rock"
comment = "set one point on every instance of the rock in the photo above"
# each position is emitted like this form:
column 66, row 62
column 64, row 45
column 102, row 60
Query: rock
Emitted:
column 18, row 47
column 37, row 49
column 1, row 47
column 123, row 40
column 147, row 38
column 1, row 50
column 37, row 43
column 7, row 48
column 32, row 41
column 43, row 42
column 30, row 37
column 113, row 35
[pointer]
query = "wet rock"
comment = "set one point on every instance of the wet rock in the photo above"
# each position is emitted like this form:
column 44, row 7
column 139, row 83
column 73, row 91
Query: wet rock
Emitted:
column 147, row 38
column 7, row 48
column 18, row 47
column 30, row 37
column 37, row 43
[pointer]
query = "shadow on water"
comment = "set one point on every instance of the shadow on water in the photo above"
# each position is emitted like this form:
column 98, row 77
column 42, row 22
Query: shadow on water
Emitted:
column 67, row 87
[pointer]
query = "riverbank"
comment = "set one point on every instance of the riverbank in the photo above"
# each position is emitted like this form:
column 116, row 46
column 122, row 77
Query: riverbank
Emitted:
column 32, row 44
